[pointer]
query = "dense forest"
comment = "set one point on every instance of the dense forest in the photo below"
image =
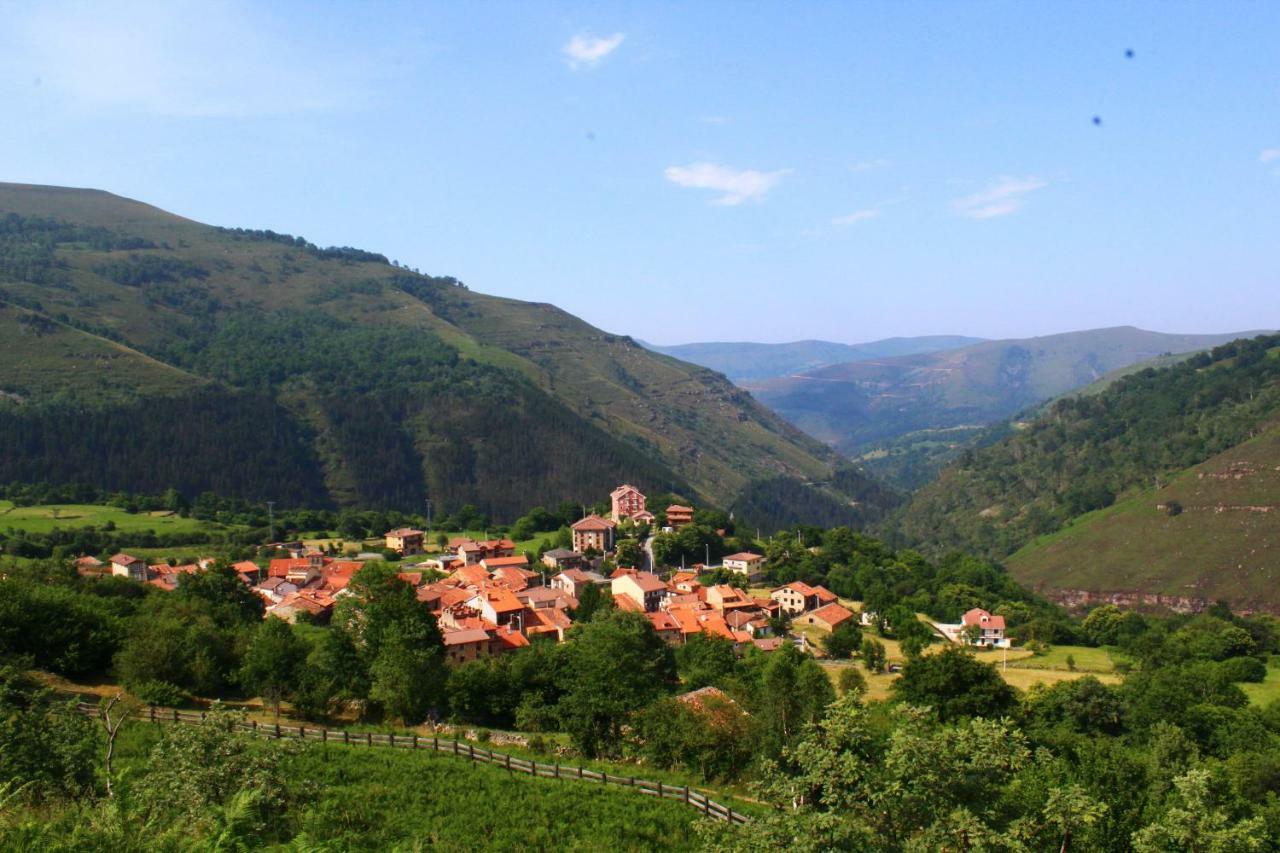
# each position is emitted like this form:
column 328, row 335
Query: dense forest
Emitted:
column 377, row 386
column 1085, row 451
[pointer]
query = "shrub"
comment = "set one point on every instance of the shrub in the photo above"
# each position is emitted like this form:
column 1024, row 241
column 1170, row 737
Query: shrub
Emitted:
column 1244, row 669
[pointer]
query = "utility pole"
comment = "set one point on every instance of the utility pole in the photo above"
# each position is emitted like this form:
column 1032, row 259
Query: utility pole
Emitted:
column 428, row 513
column 271, row 516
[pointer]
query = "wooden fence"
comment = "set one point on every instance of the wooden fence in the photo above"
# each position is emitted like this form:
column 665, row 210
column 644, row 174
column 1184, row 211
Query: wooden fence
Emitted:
column 506, row 761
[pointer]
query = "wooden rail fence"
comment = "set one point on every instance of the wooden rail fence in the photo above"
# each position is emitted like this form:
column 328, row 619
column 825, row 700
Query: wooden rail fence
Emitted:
column 506, row 761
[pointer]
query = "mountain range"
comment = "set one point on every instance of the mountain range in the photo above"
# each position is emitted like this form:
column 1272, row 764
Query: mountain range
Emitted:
column 856, row 406
column 140, row 350
column 1162, row 484
column 744, row 361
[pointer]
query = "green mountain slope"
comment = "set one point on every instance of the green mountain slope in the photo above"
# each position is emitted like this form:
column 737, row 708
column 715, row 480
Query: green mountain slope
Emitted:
column 392, row 386
column 1213, row 532
column 748, row 361
column 1087, row 452
column 857, row 406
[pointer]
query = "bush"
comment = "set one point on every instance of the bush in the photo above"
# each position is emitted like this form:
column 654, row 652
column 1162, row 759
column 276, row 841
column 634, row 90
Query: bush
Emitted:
column 161, row 693
column 538, row 745
column 1244, row 669
column 852, row 679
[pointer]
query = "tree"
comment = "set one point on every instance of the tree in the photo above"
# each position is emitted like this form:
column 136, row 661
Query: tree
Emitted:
column 334, row 674
column 408, row 676
column 593, row 600
column 873, row 655
column 852, row 680
column 1195, row 822
column 954, row 684
column 273, row 663
column 628, row 553
column 706, row 660
column 844, row 641
column 45, row 745
column 615, row 666
column 793, row 692
column 708, row 734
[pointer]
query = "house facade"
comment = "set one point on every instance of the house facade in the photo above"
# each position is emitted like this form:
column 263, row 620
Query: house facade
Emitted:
column 678, row 516
column 983, row 629
column 593, row 533
column 746, row 564
column 627, row 501
column 404, row 540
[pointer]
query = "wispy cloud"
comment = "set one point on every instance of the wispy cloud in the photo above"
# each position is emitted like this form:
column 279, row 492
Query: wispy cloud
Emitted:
column 1269, row 155
column 1003, row 197
column 180, row 59
column 870, row 165
column 856, row 217
column 584, row 51
column 735, row 186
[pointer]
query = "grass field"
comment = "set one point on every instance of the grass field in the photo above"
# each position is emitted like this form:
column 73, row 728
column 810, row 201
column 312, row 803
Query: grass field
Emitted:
column 1086, row 659
column 42, row 519
column 1266, row 692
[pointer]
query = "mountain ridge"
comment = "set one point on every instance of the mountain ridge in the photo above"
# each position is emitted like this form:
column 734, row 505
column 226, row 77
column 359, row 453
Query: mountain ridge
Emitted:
column 402, row 385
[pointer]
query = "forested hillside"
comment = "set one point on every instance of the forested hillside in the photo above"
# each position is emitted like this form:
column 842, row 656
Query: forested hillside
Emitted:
column 1086, row 452
column 863, row 405
column 142, row 350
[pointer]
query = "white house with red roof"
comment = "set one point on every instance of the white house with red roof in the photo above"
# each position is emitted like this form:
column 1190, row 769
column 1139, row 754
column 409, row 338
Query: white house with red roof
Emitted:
column 980, row 628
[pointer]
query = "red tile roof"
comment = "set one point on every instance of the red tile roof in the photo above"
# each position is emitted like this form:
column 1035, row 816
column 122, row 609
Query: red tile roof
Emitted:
column 466, row 635
column 978, row 616
column 745, row 556
column 594, row 522
column 832, row 614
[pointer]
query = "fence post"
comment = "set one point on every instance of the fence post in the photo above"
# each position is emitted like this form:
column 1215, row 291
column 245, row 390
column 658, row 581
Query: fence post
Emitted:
column 302, row 732
column 508, row 757
column 686, row 795
column 255, row 726
column 153, row 713
column 175, row 715
column 415, row 740
column 346, row 736
column 202, row 716
column 579, row 771
column 435, row 743
column 557, row 771
column 391, row 739
column 368, row 738
column 471, row 751
column 706, row 805
column 277, row 731
column 324, row 735
column 633, row 781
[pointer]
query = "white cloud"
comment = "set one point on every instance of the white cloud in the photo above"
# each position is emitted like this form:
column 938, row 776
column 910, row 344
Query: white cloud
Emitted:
column 870, row 165
column 1003, row 197
column 736, row 186
column 588, row 51
column 179, row 59
column 1269, row 155
column 857, row 216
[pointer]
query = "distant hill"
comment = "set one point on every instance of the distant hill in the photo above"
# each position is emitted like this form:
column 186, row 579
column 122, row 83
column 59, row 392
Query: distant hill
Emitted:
column 1212, row 532
column 747, row 361
column 140, row 350
column 1087, row 453
column 857, row 406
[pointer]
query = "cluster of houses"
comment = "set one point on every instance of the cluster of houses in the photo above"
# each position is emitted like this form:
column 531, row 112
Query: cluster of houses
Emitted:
column 489, row 599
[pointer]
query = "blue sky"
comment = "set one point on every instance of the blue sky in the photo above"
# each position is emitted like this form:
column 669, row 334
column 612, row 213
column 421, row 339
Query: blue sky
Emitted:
column 710, row 171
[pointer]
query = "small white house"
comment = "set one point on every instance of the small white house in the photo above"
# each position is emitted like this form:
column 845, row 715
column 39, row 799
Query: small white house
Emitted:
column 981, row 628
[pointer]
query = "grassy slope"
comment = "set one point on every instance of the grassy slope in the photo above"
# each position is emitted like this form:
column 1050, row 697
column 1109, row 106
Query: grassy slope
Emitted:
column 42, row 519
column 856, row 405
column 691, row 420
column 1213, row 549
column 40, row 358
column 381, row 799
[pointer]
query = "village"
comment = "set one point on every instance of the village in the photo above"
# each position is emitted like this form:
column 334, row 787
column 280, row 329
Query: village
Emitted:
column 490, row 598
